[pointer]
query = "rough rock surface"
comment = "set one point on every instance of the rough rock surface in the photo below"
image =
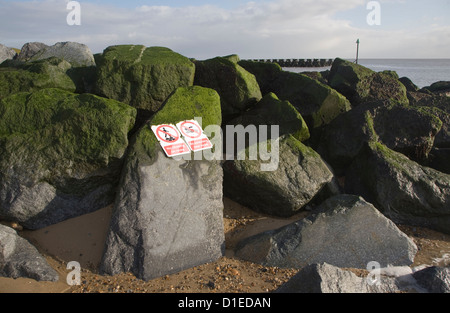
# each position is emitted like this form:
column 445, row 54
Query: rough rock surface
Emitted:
column 298, row 176
column 325, row 278
column 409, row 130
column 435, row 279
column 49, row 73
column 238, row 89
column 168, row 215
column 77, row 54
column 360, row 84
column 29, row 50
column 6, row 53
column 403, row 190
column 273, row 111
column 61, row 154
column 142, row 77
column 19, row 259
column 317, row 103
column 345, row 231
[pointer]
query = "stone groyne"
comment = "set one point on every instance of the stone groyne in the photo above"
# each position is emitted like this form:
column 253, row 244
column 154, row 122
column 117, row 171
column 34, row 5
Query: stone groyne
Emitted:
column 297, row 62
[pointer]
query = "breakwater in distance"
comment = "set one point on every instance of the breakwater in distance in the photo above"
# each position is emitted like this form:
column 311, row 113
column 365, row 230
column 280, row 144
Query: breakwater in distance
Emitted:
column 297, row 62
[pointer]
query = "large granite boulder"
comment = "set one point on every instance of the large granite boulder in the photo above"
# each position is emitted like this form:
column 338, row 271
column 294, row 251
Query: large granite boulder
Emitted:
column 271, row 111
column 238, row 89
column 434, row 279
column 317, row 103
column 360, row 84
column 61, row 154
column 298, row 176
column 29, row 50
column 325, row 278
column 403, row 190
column 6, row 53
column 439, row 106
column 439, row 88
column 49, row 73
column 77, row 54
column 19, row 259
column 409, row 130
column 168, row 215
column 345, row 231
column 140, row 76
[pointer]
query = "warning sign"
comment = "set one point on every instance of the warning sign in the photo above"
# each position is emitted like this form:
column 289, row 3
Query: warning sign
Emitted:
column 194, row 136
column 170, row 140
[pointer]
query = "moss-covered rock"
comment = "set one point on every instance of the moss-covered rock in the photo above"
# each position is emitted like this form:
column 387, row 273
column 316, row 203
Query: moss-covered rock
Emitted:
column 238, row 89
column 140, row 76
column 317, row 103
column 265, row 73
column 27, row 77
column 61, row 154
column 298, row 178
column 273, row 111
column 168, row 214
column 409, row 130
column 406, row 192
column 360, row 84
column 438, row 105
column 439, row 88
column 186, row 103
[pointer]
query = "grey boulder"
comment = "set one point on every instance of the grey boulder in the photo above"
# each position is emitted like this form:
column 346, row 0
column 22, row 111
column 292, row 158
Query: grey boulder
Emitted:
column 325, row 278
column 6, row 53
column 401, row 189
column 345, row 231
column 168, row 214
column 29, row 50
column 77, row 54
column 435, row 279
column 298, row 175
column 19, row 259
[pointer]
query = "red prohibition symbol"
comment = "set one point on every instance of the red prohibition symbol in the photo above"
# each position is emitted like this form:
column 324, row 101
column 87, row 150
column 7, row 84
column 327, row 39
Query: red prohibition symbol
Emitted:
column 167, row 136
column 190, row 130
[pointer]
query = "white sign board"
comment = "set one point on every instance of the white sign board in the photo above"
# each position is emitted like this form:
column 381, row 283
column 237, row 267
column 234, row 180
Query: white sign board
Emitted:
column 194, row 136
column 170, row 140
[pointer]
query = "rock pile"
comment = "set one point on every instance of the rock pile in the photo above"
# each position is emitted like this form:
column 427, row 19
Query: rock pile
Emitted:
column 363, row 150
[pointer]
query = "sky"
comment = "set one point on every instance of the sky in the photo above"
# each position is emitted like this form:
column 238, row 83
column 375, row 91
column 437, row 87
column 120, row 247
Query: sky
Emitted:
column 259, row 29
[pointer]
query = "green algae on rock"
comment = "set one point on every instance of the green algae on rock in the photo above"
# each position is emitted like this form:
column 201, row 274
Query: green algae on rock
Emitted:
column 61, row 154
column 317, row 103
column 409, row 130
column 238, row 89
column 140, row 76
column 186, row 103
column 32, row 76
column 273, row 111
column 300, row 176
column 360, row 84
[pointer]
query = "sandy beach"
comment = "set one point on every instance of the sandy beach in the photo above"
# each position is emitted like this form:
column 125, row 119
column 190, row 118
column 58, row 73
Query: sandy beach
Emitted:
column 82, row 239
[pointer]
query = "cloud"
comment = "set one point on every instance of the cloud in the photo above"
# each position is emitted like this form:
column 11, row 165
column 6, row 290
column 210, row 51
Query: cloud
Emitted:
column 268, row 29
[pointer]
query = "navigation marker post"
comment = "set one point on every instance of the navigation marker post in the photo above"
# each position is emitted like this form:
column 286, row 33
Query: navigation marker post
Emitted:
column 357, row 51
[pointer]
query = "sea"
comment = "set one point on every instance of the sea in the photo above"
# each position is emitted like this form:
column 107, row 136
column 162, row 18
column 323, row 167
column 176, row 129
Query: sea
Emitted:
column 422, row 72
